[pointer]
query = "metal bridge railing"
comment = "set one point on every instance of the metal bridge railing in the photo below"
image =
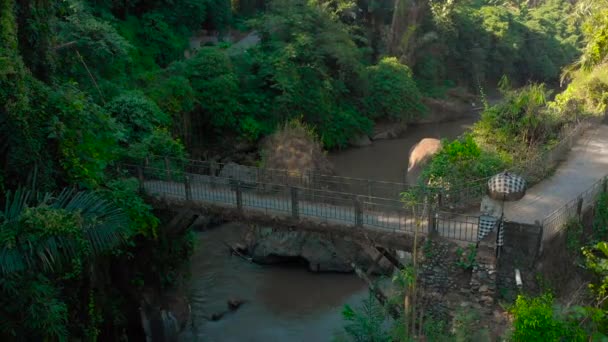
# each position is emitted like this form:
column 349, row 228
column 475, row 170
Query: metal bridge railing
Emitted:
column 250, row 174
column 533, row 169
column 275, row 199
column 555, row 222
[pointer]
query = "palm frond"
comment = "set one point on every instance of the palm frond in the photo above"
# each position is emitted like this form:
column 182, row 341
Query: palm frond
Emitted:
column 101, row 223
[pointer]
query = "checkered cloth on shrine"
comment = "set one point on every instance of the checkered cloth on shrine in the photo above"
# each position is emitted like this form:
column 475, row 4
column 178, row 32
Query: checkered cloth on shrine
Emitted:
column 486, row 225
column 507, row 183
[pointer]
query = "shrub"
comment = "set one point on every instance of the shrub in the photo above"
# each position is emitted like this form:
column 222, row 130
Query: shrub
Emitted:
column 536, row 320
column 460, row 162
column 137, row 113
column 519, row 122
column 392, row 91
column 215, row 86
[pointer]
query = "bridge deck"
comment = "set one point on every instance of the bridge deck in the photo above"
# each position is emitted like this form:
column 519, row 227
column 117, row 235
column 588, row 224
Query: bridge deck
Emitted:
column 319, row 207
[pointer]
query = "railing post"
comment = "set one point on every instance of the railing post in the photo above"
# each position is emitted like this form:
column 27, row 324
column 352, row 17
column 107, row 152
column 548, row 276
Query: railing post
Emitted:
column 539, row 243
column 431, row 218
column 358, row 211
column 239, row 195
column 579, row 207
column 212, row 172
column 187, row 188
column 439, row 198
column 167, row 168
column 295, row 210
column 140, row 177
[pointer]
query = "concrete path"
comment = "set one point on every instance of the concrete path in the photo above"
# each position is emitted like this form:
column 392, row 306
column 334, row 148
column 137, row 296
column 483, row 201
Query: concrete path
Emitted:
column 586, row 163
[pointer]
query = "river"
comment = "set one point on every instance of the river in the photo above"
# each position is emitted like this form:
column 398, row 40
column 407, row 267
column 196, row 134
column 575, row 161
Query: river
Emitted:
column 290, row 303
column 282, row 303
column 387, row 159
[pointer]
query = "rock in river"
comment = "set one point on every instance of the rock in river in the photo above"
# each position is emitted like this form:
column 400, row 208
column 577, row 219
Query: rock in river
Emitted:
column 318, row 251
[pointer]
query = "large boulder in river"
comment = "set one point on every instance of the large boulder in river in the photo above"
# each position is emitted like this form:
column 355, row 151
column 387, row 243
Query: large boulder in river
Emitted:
column 319, row 252
column 419, row 157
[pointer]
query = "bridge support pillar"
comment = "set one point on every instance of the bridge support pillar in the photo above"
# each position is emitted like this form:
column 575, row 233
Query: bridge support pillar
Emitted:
column 358, row 212
column 239, row 195
column 295, row 210
column 187, row 188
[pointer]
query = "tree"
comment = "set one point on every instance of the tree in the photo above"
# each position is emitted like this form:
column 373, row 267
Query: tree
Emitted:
column 392, row 91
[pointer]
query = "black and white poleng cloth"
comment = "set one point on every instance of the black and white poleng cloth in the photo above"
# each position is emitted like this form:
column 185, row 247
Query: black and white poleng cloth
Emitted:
column 486, row 225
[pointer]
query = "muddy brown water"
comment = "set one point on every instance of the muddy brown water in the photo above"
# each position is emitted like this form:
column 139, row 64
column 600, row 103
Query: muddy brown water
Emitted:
column 290, row 303
column 281, row 303
column 386, row 160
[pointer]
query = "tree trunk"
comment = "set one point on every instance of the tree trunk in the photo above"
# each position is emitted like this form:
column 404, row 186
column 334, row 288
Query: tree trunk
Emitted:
column 407, row 16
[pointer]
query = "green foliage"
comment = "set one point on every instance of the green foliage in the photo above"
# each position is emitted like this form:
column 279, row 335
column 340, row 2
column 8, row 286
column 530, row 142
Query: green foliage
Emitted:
column 461, row 162
column 586, row 93
column 466, row 259
column 574, row 235
column 306, row 65
column 158, row 143
column 159, row 40
column 597, row 261
column 34, row 300
column 47, row 232
column 519, row 122
column 368, row 323
column 85, row 133
column 392, row 91
column 215, row 87
column 138, row 114
column 479, row 41
column 535, row 319
column 93, row 41
column 600, row 220
column 123, row 193
column 174, row 95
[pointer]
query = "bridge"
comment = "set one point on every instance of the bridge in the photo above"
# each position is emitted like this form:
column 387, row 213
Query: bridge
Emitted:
column 330, row 200
column 376, row 206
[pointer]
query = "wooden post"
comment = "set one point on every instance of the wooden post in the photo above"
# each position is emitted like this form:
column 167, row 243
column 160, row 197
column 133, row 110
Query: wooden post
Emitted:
column 579, row 207
column 358, row 212
column 295, row 210
column 439, row 199
column 187, row 188
column 140, row 176
column 167, row 168
column 239, row 195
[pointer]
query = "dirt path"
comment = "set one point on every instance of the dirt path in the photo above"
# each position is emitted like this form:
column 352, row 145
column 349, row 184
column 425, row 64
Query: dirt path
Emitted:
column 586, row 163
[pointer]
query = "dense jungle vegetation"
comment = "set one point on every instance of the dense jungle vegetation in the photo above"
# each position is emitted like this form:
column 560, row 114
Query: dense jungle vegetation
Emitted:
column 87, row 84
